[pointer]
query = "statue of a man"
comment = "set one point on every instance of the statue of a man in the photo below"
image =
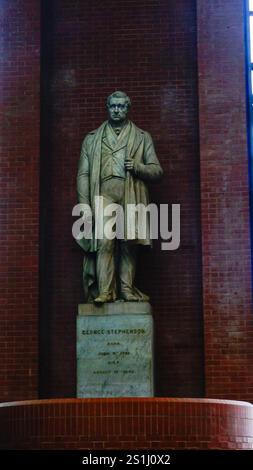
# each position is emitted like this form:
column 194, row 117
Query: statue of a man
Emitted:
column 116, row 161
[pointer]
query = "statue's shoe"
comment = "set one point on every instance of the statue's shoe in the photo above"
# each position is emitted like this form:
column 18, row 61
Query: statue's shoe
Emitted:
column 103, row 298
column 130, row 296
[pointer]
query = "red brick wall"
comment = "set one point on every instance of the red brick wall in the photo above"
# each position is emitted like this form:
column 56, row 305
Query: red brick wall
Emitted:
column 19, row 196
column 127, row 423
column 148, row 49
column 227, row 304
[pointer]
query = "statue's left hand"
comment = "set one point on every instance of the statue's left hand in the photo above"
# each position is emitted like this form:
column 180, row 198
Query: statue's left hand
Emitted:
column 129, row 164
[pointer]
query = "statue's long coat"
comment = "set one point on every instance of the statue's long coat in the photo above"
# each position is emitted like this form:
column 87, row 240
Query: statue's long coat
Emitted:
column 140, row 148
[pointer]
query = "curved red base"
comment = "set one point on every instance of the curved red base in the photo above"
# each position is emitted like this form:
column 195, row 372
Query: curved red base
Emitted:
column 126, row 423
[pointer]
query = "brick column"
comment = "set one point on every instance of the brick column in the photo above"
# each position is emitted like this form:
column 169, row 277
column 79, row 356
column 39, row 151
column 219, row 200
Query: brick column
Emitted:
column 19, row 200
column 228, row 317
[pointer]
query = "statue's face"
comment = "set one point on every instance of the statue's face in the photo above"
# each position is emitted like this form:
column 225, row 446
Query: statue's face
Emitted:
column 117, row 110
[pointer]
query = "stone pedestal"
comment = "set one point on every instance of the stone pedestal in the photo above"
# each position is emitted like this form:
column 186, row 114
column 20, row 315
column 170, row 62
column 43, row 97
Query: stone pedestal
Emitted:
column 115, row 350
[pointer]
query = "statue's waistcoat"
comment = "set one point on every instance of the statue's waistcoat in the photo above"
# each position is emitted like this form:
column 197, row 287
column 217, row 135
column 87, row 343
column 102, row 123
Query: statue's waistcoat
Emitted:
column 113, row 153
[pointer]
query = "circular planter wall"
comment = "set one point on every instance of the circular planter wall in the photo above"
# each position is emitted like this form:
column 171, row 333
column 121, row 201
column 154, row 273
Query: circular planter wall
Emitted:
column 126, row 423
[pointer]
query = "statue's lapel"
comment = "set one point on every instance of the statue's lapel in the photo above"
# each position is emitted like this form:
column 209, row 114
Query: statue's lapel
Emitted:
column 114, row 142
column 135, row 138
column 123, row 137
column 109, row 137
column 130, row 136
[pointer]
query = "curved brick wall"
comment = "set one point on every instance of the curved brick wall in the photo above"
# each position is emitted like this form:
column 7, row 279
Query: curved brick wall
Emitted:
column 126, row 423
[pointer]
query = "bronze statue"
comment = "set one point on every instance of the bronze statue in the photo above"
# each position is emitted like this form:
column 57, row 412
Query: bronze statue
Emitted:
column 116, row 161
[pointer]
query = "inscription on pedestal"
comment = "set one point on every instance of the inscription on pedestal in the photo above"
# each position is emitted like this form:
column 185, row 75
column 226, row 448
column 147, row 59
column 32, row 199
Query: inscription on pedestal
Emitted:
column 114, row 350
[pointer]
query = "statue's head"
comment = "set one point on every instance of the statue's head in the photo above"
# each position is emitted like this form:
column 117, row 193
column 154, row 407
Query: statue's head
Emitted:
column 118, row 105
